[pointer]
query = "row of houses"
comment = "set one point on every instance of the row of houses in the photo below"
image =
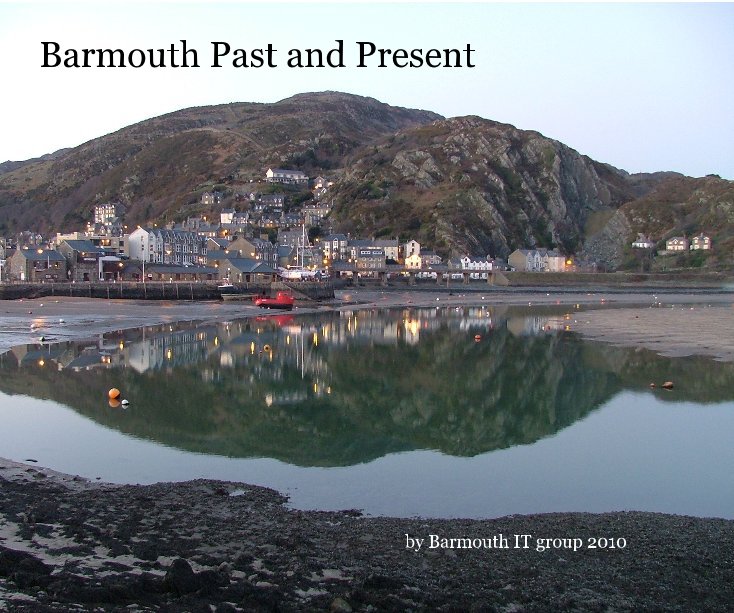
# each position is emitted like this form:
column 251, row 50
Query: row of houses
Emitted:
column 160, row 254
column 675, row 244
column 539, row 260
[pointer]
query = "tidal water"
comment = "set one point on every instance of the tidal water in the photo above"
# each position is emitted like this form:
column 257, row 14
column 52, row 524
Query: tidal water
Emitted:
column 440, row 412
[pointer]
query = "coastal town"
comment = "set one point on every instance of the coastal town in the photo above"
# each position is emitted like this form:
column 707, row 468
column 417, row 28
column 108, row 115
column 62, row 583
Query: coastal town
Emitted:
column 281, row 232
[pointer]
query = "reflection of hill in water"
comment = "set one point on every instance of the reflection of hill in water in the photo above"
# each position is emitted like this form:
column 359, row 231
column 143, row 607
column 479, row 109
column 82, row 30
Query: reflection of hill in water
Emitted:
column 445, row 392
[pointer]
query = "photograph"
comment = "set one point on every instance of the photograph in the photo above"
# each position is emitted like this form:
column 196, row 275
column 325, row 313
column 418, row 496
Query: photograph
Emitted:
column 366, row 306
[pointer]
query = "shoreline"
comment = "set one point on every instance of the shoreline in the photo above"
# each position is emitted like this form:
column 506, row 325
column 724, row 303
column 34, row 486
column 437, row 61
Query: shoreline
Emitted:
column 70, row 543
column 67, row 543
column 671, row 323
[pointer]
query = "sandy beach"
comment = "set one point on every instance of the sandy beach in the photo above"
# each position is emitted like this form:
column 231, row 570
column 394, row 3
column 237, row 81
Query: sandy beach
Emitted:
column 71, row 544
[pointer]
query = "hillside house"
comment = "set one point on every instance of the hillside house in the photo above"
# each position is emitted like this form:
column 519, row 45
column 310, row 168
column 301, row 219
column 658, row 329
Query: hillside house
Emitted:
column 214, row 244
column 108, row 213
column 314, row 214
column 643, row 242
column 292, row 238
column 334, row 246
column 226, row 216
column 211, row 198
column 268, row 203
column 700, row 241
column 322, row 183
column 677, row 243
column 288, row 177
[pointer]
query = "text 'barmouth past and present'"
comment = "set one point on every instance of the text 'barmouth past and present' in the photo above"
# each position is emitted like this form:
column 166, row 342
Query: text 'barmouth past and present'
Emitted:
column 365, row 54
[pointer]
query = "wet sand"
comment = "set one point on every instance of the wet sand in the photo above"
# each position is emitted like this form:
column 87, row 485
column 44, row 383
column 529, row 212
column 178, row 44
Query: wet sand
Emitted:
column 672, row 324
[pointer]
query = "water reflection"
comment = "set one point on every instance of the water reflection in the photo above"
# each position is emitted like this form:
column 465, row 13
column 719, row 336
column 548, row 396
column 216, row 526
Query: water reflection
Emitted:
column 349, row 387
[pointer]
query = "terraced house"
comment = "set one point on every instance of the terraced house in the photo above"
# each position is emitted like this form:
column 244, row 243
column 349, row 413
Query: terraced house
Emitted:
column 160, row 246
column 537, row 260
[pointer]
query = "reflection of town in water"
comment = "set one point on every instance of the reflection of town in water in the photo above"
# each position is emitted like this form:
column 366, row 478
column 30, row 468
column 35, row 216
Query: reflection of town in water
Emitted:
column 345, row 387
column 274, row 349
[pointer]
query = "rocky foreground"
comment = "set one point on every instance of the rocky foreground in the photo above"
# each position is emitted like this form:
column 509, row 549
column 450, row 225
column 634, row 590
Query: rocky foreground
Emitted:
column 68, row 544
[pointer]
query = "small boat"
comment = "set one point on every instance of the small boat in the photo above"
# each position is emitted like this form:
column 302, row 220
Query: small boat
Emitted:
column 282, row 300
column 296, row 273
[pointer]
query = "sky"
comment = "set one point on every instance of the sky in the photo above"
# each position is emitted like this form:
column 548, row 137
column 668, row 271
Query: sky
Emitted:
column 645, row 87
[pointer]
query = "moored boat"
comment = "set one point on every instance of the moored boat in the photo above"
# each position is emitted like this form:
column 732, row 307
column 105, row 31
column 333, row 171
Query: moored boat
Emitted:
column 282, row 300
column 296, row 273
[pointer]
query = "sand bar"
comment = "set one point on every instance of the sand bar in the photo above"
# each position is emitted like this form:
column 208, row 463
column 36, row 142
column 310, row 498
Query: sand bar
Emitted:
column 672, row 324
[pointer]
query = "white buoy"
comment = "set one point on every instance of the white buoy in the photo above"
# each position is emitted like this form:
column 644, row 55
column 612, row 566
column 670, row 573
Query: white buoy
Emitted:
column 124, row 403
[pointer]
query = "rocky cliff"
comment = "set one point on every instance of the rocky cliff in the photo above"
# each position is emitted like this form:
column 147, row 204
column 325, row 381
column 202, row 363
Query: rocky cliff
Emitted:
column 470, row 185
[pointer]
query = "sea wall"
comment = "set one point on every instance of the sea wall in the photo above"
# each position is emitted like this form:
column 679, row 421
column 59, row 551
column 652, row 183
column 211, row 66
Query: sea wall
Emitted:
column 153, row 290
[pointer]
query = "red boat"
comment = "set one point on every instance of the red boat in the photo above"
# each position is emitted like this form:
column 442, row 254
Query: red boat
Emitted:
column 282, row 300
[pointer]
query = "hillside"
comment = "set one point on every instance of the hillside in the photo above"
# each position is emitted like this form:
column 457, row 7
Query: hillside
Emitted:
column 465, row 185
column 472, row 185
column 159, row 166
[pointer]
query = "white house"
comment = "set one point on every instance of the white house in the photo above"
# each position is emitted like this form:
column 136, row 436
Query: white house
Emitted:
column 411, row 248
column 108, row 213
column 282, row 175
column 159, row 246
column 482, row 266
column 226, row 216
column 643, row 242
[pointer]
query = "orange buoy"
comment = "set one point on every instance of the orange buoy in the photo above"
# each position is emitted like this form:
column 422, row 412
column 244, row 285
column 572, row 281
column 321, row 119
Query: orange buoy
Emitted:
column 668, row 385
column 113, row 394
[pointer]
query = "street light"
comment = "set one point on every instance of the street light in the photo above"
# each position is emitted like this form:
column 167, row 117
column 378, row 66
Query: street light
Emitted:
column 48, row 261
